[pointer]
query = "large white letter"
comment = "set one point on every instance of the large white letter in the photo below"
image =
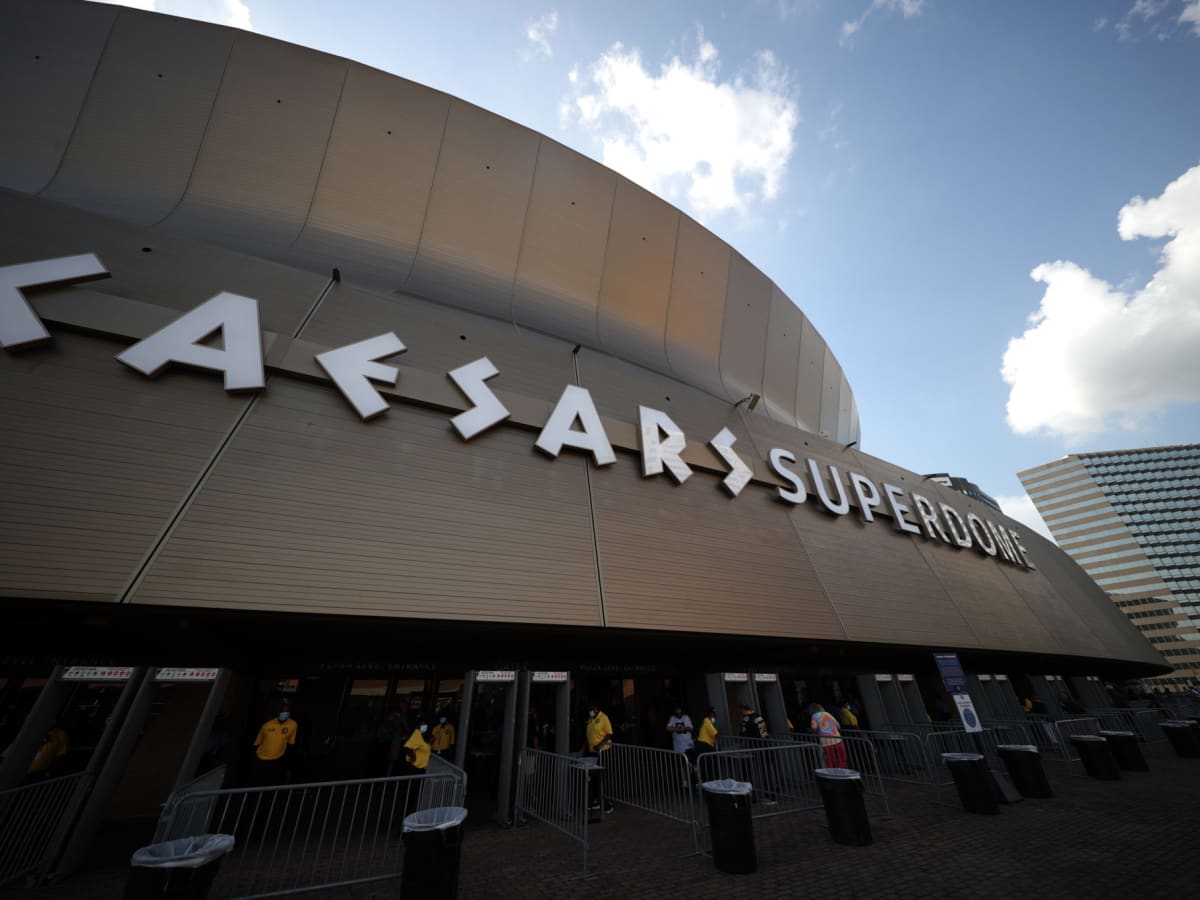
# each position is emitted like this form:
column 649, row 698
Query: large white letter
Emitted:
column 488, row 410
column 956, row 525
column 351, row 366
column 1020, row 548
column 576, row 403
column 842, row 506
column 867, row 494
column 797, row 494
column 1003, row 542
column 655, row 453
column 739, row 473
column 237, row 319
column 893, row 494
column 933, row 525
column 983, row 540
column 19, row 324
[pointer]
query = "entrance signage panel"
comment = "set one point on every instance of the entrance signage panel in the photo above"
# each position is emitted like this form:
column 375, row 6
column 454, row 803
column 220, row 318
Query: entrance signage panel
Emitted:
column 186, row 674
column 736, row 676
column 767, row 677
column 495, row 675
column 574, row 421
column 549, row 677
column 1002, row 678
column 984, row 677
column 966, row 712
column 883, row 676
column 97, row 673
column 953, row 676
column 905, row 677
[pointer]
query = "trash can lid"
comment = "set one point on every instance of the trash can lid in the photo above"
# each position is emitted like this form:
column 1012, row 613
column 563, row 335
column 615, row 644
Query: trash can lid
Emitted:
column 183, row 853
column 437, row 819
column 838, row 774
column 1092, row 738
column 586, row 763
column 1118, row 734
column 1178, row 723
column 728, row 786
column 957, row 757
column 1018, row 748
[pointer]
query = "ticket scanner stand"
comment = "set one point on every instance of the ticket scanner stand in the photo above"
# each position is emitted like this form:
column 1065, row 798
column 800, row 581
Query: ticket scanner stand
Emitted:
column 726, row 692
column 770, row 699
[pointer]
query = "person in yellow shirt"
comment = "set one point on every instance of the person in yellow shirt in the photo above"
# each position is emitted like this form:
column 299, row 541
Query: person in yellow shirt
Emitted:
column 846, row 716
column 706, row 738
column 598, row 739
column 417, row 750
column 443, row 736
column 53, row 748
column 271, row 747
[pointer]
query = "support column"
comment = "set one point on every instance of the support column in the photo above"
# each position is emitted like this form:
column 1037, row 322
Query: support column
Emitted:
column 507, row 739
column 208, row 715
column 872, row 701
column 770, row 695
column 33, row 730
column 562, row 726
column 464, row 719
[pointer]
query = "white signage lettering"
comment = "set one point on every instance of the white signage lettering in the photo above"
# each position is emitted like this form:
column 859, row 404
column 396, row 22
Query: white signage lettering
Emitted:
column 867, row 494
column 739, row 473
column 495, row 675
column 883, row 677
column 19, row 324
column 842, row 505
column 796, row 493
column 487, row 410
column 235, row 316
column 551, row 677
column 766, row 677
column 893, row 495
column 186, row 674
column 905, row 677
column 929, row 519
column 353, row 367
column 979, row 531
column 657, row 453
column 97, row 673
column 576, row 403
column 736, row 676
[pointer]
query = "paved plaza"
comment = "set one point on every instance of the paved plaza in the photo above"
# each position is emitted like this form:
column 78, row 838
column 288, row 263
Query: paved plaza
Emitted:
column 1131, row 838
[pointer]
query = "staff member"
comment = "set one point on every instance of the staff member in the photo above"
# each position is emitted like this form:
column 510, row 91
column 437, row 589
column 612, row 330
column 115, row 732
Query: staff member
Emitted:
column 599, row 739
column 706, row 737
column 443, row 736
column 416, row 751
column 271, row 747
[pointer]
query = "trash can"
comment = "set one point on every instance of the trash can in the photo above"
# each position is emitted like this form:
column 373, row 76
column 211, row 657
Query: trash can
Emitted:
column 1096, row 757
column 182, row 869
column 1125, row 750
column 845, row 809
column 1024, row 764
column 432, row 853
column 732, row 825
column 1184, row 736
column 596, row 804
column 973, row 780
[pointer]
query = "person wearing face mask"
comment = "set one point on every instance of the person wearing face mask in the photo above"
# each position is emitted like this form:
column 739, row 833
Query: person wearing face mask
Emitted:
column 443, row 736
column 417, row 750
column 598, row 739
column 271, row 747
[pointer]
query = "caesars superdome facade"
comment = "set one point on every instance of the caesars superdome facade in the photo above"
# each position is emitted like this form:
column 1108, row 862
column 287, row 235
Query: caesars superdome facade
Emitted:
column 323, row 387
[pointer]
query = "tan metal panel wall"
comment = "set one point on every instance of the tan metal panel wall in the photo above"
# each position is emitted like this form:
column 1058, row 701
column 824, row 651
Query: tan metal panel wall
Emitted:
column 810, row 369
column 439, row 339
column 688, row 558
column 468, row 250
column 696, row 311
column 48, row 52
column 747, row 309
column 280, row 100
column 310, row 509
column 172, row 272
column 780, row 368
column 845, row 420
column 375, row 180
column 636, row 285
column 557, row 287
column 1065, row 623
column 147, row 110
column 831, row 395
column 94, row 460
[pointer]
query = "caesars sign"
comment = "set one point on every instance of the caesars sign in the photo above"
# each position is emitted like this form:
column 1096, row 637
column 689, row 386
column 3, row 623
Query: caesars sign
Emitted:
column 573, row 422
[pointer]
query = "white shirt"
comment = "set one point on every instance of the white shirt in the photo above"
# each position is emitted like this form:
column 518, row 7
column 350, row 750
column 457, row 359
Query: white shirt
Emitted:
column 681, row 740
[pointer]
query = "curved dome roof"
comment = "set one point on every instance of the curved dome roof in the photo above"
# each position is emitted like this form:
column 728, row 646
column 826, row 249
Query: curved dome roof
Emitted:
column 249, row 143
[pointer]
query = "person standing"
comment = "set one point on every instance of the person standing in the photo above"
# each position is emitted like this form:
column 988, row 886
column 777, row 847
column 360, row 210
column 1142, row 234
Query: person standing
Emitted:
column 846, row 716
column 706, row 739
column 598, row 738
column 417, row 750
column 271, row 745
column 829, row 735
column 443, row 737
column 753, row 725
column 679, row 726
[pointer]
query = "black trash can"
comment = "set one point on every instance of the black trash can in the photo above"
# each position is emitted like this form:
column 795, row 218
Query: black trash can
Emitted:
column 596, row 804
column 974, row 782
column 1184, row 736
column 432, row 853
column 182, row 869
column 1125, row 750
column 1096, row 757
column 732, row 825
column 1024, row 764
column 842, row 793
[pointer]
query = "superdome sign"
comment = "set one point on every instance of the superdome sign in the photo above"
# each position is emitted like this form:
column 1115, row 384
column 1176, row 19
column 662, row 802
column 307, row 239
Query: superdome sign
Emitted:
column 355, row 369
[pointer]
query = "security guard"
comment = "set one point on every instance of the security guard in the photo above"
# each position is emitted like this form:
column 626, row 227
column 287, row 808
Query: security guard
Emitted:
column 271, row 747
column 599, row 739
column 443, row 736
column 706, row 739
column 416, row 751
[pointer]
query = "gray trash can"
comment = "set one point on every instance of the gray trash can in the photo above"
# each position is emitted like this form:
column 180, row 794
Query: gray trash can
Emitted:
column 1184, row 736
column 842, row 793
column 1024, row 764
column 973, row 780
column 1125, row 750
column 182, row 869
column 432, row 853
column 732, row 825
column 1096, row 757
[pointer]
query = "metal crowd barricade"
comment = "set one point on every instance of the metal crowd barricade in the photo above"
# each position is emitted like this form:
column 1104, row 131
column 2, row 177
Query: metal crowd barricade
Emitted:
column 300, row 837
column 171, row 825
column 1068, row 728
column 1142, row 722
column 553, row 789
column 781, row 774
column 985, row 742
column 902, row 755
column 860, row 755
column 650, row 779
column 438, row 792
column 34, row 822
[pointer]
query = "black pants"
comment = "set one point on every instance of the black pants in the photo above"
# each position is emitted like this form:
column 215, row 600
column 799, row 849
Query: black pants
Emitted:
column 269, row 772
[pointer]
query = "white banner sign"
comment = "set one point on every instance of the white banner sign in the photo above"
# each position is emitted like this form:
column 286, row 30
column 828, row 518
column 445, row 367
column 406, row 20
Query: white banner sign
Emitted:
column 1002, row 678
column 905, row 677
column 186, row 675
column 736, row 676
column 554, row 677
column 984, row 677
column 495, row 675
column 966, row 712
column 98, row 673
column 883, row 677
column 766, row 676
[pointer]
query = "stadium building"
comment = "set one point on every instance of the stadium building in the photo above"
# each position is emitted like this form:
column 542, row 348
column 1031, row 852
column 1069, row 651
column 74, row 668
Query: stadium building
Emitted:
column 322, row 385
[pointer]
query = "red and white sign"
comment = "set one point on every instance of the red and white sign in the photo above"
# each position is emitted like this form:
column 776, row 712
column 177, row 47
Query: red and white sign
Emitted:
column 767, row 677
column 736, row 676
column 551, row 677
column 495, row 675
column 186, row 675
column 97, row 673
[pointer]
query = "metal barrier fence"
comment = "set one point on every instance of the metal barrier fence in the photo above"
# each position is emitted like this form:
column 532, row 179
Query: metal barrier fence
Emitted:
column 859, row 755
column 902, row 756
column 781, row 774
column 1142, row 722
column 986, row 742
column 300, row 837
column 1040, row 731
column 647, row 778
column 34, row 821
column 172, row 825
column 553, row 789
column 1067, row 728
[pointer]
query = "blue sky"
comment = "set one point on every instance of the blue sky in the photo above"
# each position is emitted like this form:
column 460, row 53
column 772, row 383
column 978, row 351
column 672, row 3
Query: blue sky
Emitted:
column 899, row 168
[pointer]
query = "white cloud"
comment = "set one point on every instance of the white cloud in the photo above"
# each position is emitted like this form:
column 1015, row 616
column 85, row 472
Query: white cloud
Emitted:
column 1098, row 357
column 907, row 8
column 1021, row 508
column 148, row 5
column 221, row 12
column 1147, row 11
column 1103, row 20
column 1191, row 15
column 684, row 133
column 538, row 32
